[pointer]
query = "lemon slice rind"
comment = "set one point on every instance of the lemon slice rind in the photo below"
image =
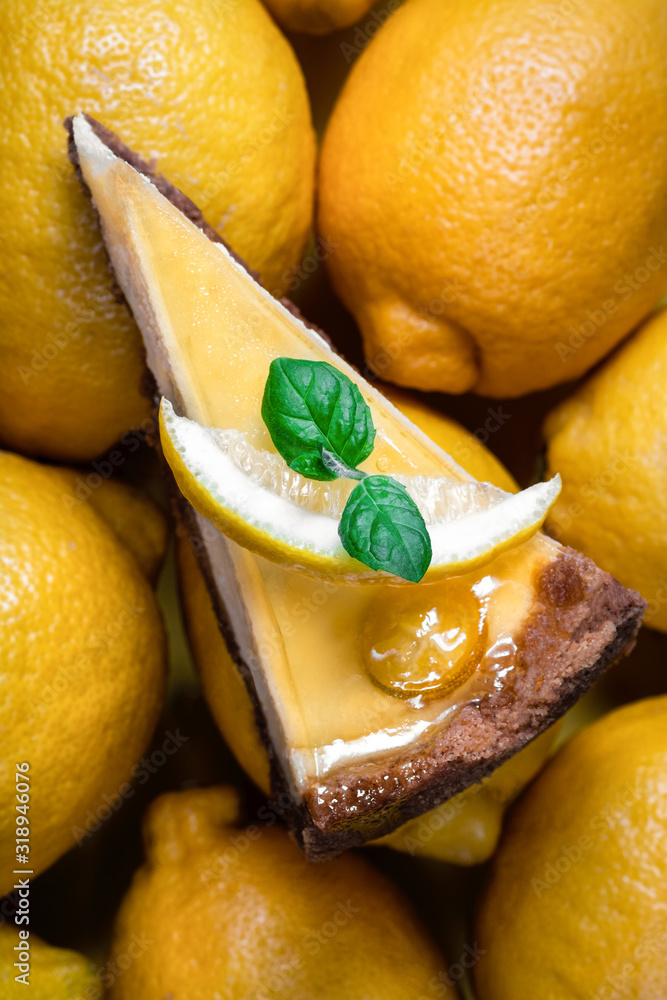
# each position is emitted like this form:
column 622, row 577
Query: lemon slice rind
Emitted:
column 284, row 530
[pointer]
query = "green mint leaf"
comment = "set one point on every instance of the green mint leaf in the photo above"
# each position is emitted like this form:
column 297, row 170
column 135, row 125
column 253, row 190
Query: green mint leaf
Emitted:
column 382, row 527
column 310, row 406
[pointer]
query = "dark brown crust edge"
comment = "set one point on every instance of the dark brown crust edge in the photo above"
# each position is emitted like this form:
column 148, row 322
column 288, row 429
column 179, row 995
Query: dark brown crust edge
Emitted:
column 583, row 622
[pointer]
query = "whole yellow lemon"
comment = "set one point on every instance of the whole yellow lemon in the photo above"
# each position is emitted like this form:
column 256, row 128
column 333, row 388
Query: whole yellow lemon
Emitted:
column 576, row 908
column 609, row 443
column 492, row 180
column 238, row 912
column 212, row 94
column 83, row 664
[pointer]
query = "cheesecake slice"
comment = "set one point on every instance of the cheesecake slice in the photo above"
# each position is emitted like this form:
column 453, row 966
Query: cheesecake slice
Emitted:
column 358, row 741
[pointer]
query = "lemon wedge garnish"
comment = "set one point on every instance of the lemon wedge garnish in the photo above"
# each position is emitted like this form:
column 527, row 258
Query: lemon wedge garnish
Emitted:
column 253, row 497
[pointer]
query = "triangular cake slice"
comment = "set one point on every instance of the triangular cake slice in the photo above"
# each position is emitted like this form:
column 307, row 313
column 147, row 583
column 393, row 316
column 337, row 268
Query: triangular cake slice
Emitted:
column 353, row 760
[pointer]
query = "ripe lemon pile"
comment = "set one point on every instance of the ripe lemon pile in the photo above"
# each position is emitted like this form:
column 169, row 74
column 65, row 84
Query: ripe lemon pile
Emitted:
column 492, row 212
